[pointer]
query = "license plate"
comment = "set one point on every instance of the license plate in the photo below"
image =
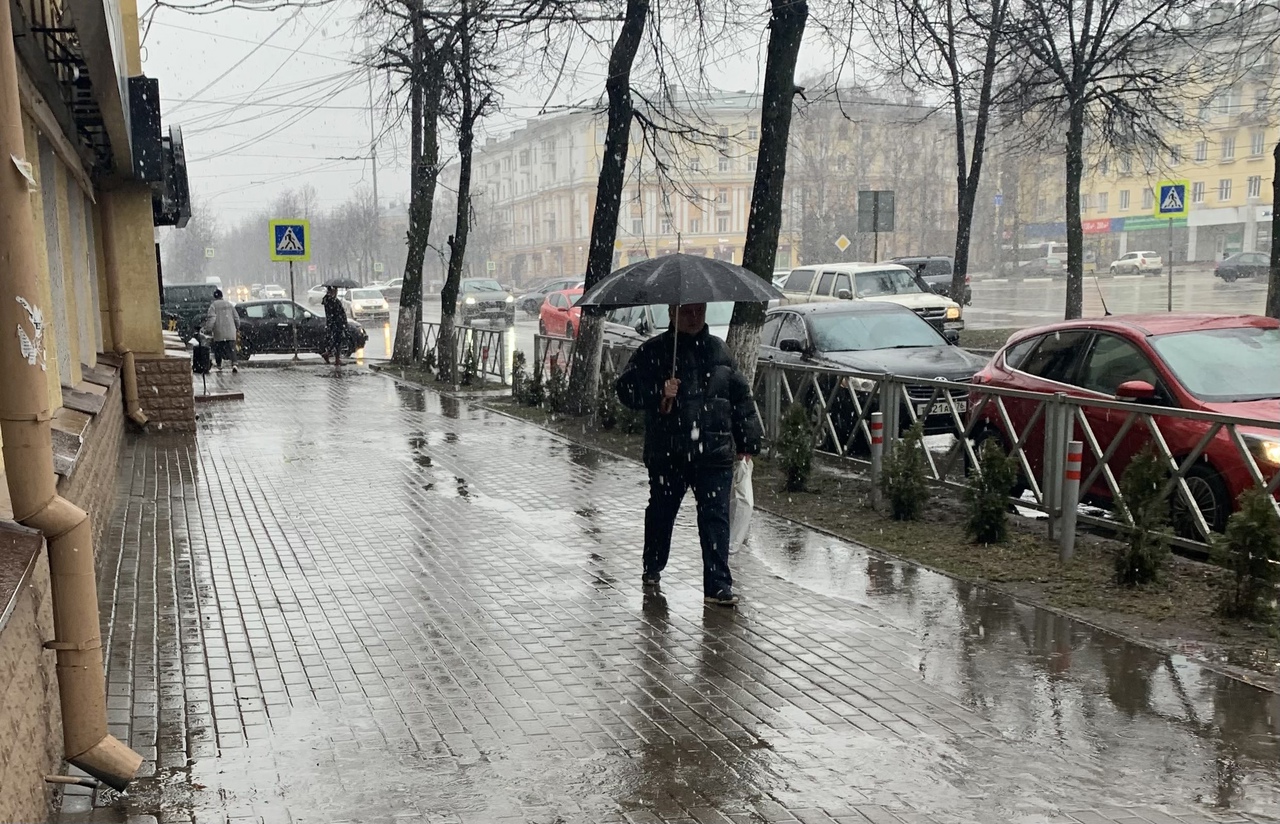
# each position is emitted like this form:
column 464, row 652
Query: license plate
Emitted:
column 942, row 408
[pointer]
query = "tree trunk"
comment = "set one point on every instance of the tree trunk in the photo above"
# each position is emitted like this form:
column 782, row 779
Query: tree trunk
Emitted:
column 1075, row 229
column 584, row 376
column 424, row 168
column 764, row 223
column 446, row 354
column 1273, row 285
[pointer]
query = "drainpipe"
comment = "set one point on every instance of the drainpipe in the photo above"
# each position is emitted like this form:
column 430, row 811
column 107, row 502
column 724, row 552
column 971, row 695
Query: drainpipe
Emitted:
column 115, row 318
column 28, row 458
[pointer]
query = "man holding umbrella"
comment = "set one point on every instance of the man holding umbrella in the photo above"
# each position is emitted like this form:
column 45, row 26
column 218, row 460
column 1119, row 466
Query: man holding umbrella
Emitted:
column 335, row 317
column 699, row 414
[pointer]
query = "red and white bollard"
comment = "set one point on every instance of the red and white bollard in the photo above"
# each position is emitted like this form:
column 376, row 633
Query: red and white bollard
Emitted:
column 1070, row 500
column 877, row 455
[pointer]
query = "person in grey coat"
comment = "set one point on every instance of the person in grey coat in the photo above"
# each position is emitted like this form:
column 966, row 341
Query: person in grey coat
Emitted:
column 223, row 325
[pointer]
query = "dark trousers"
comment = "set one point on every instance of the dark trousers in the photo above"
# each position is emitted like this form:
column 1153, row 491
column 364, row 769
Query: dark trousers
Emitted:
column 712, row 488
column 224, row 349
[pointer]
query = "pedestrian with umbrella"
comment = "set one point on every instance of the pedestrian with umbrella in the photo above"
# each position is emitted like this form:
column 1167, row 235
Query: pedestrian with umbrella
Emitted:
column 335, row 316
column 699, row 414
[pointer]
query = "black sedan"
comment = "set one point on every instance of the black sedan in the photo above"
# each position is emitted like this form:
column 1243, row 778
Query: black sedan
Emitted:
column 266, row 327
column 870, row 337
column 1243, row 265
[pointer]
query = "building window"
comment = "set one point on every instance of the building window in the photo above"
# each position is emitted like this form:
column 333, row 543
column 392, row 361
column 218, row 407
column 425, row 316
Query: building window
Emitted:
column 1197, row 192
column 722, row 224
column 1148, row 200
column 1255, row 186
column 1202, row 151
column 1124, row 200
column 695, row 225
column 1258, row 143
column 1102, row 202
column 1175, row 155
column 1260, row 99
column 725, row 164
column 753, row 134
column 637, row 226
column 695, row 164
column 1224, row 189
column 1126, row 166
column 524, row 158
column 666, row 226
column 1205, row 110
column 1149, row 160
column 722, row 196
column 722, row 139
column 751, row 163
column 1229, row 147
column 1085, row 202
column 1104, row 167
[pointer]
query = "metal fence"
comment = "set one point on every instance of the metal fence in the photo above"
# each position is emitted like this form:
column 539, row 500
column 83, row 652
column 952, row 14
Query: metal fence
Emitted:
column 487, row 346
column 1039, row 431
column 1070, row 451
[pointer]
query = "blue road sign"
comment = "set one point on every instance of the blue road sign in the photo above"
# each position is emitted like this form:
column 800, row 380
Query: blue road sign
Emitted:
column 290, row 240
column 1172, row 199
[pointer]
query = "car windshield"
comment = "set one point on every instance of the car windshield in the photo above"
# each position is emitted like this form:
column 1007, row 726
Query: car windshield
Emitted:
column 481, row 286
column 366, row 294
column 1224, row 365
column 859, row 331
column 888, row 282
column 718, row 314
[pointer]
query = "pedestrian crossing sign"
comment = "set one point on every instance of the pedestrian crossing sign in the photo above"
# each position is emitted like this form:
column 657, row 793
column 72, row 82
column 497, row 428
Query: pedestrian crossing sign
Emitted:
column 1171, row 199
column 291, row 240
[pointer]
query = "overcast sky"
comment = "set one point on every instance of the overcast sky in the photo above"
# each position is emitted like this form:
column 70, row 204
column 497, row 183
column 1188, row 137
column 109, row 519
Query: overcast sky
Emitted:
column 274, row 100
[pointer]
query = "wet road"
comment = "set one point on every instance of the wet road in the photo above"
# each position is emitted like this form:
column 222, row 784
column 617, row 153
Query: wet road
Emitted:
column 346, row 602
column 999, row 303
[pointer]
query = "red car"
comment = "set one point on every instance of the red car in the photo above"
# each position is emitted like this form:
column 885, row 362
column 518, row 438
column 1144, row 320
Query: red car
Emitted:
column 559, row 316
column 1211, row 363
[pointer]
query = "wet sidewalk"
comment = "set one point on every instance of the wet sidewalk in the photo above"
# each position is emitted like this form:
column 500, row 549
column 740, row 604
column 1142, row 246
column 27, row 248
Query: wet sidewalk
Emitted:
column 351, row 601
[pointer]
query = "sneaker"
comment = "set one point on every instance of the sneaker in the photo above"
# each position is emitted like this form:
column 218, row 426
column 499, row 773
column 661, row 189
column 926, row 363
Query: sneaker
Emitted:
column 723, row 598
column 235, row 369
column 650, row 580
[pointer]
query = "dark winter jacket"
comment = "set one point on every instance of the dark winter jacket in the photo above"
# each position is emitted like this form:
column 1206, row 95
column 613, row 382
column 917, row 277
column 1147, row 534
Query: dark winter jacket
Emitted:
column 714, row 418
column 335, row 315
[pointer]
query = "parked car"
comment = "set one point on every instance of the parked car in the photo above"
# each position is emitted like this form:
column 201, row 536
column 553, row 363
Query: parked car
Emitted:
column 885, row 282
column 633, row 325
column 531, row 302
column 559, row 315
column 1243, row 265
column 366, row 303
column 185, row 307
column 938, row 270
column 266, row 327
column 780, row 277
column 484, row 299
column 1137, row 263
column 1229, row 364
column 869, row 336
column 391, row 290
column 273, row 290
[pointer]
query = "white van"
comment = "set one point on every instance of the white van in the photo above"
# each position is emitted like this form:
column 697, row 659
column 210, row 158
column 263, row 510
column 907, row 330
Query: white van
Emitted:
column 886, row 282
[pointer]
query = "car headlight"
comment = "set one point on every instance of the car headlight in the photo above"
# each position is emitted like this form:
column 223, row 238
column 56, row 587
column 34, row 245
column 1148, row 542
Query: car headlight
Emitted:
column 1265, row 450
column 510, row 299
column 859, row 384
column 470, row 301
column 953, row 313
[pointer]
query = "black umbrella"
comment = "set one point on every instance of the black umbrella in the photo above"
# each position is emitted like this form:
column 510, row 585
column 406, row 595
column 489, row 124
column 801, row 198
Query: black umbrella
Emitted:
column 340, row 283
column 679, row 279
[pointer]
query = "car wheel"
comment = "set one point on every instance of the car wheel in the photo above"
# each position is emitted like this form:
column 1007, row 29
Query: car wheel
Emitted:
column 991, row 434
column 1229, row 277
column 568, row 331
column 542, row 328
column 1112, row 270
column 1209, row 492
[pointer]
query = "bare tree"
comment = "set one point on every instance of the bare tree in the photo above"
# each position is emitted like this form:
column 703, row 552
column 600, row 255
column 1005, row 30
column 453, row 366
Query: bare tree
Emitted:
column 1273, row 280
column 1113, row 72
column 764, row 222
column 183, row 254
column 954, row 47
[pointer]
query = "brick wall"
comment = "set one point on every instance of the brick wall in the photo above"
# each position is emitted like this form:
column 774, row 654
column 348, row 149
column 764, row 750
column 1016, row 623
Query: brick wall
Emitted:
column 164, row 390
column 30, row 719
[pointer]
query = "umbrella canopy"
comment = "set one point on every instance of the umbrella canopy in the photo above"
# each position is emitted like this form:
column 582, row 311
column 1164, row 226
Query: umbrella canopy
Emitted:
column 340, row 283
column 679, row 279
